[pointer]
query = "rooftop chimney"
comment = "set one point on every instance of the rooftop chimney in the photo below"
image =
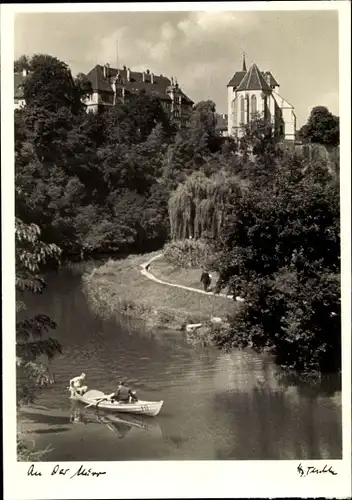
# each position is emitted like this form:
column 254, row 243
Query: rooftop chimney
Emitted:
column 124, row 68
column 128, row 74
column 148, row 71
column 106, row 70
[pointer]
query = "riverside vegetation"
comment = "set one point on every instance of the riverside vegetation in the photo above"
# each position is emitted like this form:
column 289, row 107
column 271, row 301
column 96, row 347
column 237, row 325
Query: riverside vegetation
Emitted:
column 263, row 217
column 119, row 286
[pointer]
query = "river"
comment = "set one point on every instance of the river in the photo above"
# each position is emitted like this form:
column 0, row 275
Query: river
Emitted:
column 216, row 405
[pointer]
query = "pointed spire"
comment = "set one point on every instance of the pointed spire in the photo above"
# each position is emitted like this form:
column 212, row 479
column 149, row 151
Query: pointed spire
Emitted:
column 244, row 67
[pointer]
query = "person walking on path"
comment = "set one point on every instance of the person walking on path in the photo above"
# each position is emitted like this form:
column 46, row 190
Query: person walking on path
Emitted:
column 206, row 280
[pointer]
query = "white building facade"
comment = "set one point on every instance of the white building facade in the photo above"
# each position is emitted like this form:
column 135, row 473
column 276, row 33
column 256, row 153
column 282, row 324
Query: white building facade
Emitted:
column 252, row 93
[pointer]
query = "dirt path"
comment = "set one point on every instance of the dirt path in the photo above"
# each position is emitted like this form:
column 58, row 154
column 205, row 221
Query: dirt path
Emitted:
column 151, row 276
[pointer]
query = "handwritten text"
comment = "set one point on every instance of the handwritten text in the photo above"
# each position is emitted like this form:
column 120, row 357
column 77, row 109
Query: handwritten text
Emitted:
column 59, row 471
column 306, row 471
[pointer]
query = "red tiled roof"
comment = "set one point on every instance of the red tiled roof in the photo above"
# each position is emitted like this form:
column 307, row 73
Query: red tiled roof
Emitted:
column 158, row 88
column 253, row 80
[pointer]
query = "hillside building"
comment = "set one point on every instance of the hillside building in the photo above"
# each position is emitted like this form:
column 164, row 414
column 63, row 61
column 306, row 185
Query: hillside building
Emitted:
column 255, row 92
column 110, row 85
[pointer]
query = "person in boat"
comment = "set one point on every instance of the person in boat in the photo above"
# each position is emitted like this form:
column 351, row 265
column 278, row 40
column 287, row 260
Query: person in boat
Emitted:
column 205, row 279
column 123, row 394
column 76, row 385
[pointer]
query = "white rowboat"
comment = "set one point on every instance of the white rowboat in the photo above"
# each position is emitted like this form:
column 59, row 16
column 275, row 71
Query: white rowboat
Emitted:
column 96, row 399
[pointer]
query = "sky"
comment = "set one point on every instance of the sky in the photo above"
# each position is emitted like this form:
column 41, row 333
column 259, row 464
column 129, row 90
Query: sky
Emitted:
column 201, row 49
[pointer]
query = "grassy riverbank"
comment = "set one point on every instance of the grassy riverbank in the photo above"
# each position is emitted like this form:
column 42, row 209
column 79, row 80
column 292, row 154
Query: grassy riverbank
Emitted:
column 165, row 271
column 119, row 287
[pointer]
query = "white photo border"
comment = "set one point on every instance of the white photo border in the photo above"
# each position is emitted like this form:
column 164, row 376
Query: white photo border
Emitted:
column 170, row 479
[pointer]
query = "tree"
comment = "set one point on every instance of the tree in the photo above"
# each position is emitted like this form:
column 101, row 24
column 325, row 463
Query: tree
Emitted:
column 31, row 341
column 50, row 85
column 192, row 147
column 258, row 139
column 131, row 122
column 22, row 63
column 203, row 126
column 31, row 253
column 31, row 344
column 197, row 206
column 84, row 85
column 204, row 116
column 322, row 127
column 280, row 250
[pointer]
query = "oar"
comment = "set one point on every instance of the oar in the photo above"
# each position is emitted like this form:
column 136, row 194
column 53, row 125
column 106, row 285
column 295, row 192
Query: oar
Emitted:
column 96, row 402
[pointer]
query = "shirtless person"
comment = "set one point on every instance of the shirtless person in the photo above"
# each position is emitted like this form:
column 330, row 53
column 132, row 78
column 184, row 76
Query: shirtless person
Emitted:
column 77, row 386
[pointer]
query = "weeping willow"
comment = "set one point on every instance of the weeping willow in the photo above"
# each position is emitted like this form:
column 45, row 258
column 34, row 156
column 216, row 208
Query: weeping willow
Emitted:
column 197, row 206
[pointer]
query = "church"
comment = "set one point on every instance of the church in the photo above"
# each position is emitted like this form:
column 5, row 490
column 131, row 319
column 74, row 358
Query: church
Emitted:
column 252, row 93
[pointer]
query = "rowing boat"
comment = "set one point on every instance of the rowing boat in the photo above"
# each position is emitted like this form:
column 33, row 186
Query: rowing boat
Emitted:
column 100, row 400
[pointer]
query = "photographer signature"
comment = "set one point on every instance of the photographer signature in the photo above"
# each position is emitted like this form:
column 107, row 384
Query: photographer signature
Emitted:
column 306, row 471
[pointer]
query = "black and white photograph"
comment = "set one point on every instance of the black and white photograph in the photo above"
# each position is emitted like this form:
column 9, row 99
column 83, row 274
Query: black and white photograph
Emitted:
column 176, row 248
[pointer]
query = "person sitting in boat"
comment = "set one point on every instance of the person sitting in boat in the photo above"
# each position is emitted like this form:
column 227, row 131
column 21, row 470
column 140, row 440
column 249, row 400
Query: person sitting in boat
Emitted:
column 124, row 394
column 76, row 385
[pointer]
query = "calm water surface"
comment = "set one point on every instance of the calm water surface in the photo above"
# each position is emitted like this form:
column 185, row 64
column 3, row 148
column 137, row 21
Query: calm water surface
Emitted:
column 216, row 405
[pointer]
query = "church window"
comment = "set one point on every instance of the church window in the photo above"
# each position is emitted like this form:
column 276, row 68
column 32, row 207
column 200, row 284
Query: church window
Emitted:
column 266, row 110
column 234, row 111
column 253, row 105
column 242, row 110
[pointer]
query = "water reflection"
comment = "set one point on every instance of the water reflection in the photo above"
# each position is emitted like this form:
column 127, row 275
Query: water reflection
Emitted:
column 276, row 423
column 119, row 424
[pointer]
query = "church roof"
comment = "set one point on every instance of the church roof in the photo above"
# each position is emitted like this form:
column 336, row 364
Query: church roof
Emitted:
column 236, row 79
column 253, row 80
column 272, row 82
column 239, row 75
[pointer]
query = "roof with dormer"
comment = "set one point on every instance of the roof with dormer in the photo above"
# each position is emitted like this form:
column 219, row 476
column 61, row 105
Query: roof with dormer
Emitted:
column 138, row 81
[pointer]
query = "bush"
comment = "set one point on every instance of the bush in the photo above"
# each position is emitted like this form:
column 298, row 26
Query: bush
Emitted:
column 209, row 333
column 189, row 253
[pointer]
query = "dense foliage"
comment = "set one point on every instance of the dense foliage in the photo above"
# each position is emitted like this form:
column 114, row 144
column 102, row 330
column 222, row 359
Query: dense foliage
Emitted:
column 322, row 127
column 99, row 183
column 196, row 207
column 128, row 180
column 191, row 253
column 31, row 341
column 280, row 250
column 33, row 344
